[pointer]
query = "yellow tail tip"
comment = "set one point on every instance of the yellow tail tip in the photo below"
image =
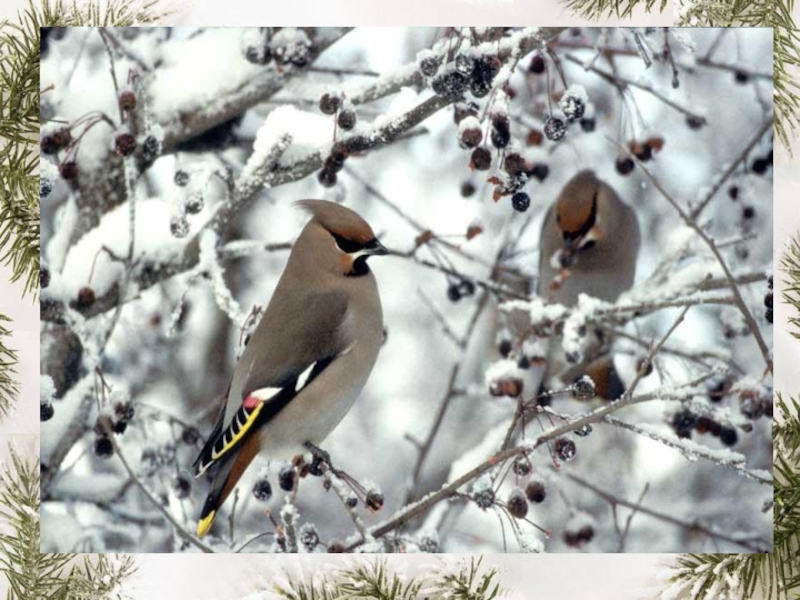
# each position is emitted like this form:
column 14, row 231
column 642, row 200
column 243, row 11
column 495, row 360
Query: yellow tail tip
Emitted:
column 205, row 524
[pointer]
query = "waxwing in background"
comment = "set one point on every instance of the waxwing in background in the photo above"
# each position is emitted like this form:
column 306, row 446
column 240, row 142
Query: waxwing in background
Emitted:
column 589, row 244
column 309, row 357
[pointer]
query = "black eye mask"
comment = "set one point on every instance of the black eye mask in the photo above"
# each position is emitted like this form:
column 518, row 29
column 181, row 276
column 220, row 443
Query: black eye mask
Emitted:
column 348, row 246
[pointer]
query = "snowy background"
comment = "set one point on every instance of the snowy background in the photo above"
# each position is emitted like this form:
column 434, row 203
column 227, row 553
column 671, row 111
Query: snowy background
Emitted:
column 171, row 351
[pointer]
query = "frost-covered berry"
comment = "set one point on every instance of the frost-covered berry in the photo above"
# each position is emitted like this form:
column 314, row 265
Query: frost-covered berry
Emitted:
column 45, row 187
column 565, row 449
column 429, row 65
column 262, row 490
column 286, row 478
column 46, row 411
column 127, row 100
column 351, row 501
column 374, row 500
column 728, row 436
column 624, row 165
column 501, row 131
column 584, row 388
column 470, row 134
column 151, row 148
column 537, row 64
column 521, row 201
column 62, row 138
column 449, row 84
column 103, row 447
column 330, row 103
column 124, row 411
column 182, row 486
column 181, row 178
column 466, row 288
column 481, row 159
column 346, row 119
column 517, row 505
column 179, row 226
column 85, row 297
column 309, row 536
column 535, row 491
column 521, row 466
column 428, row 542
column 125, row 144
column 68, row 170
column 555, row 127
column 573, row 102
column 484, row 70
column 752, row 407
column 483, row 494
column 683, row 422
column 194, row 203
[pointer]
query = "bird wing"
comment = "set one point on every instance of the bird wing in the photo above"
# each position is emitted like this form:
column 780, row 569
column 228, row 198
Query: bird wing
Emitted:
column 282, row 358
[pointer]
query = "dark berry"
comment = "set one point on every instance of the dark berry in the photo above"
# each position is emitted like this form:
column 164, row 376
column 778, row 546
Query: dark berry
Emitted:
column 286, row 478
column 449, row 84
column 517, row 505
column 683, row 422
column 181, row 178
column 374, row 500
column 471, row 137
column 466, row 287
column 463, row 63
column 539, row 171
column 119, row 427
column 151, row 148
column 262, row 490
column 46, row 411
column 504, row 348
column 454, row 292
column 182, row 486
column 483, row 73
column 768, row 300
column 768, row 315
column 644, row 153
column 760, row 166
column 103, row 447
column 125, row 144
column 124, row 411
column 190, row 436
column 588, row 125
column 467, row 189
column 521, row 201
column 339, row 153
column 535, row 138
column 733, row 192
column 428, row 66
column 565, row 449
column 522, row 466
column 524, row 362
column 327, row 178
column 481, row 159
column 694, row 122
column 537, row 65
column 728, row 436
column 625, row 165
column 336, row 547
column 85, row 297
column 748, row 212
column 127, row 100
column 62, row 138
column 68, row 170
column 330, row 103
column 48, row 145
column 44, row 277
column 535, row 491
column 501, row 131
column 514, row 164
column 346, row 119
column 555, row 127
column 769, row 281
column 741, row 77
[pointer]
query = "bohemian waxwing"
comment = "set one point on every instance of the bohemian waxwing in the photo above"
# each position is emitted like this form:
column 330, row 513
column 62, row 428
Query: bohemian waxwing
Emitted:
column 589, row 243
column 309, row 357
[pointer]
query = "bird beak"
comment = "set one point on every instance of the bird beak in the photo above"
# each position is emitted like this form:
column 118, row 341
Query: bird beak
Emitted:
column 374, row 247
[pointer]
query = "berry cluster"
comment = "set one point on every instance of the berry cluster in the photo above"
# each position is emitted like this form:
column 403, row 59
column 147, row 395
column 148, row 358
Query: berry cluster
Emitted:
column 768, row 303
column 685, row 421
column 333, row 164
column 288, row 47
column 574, row 538
column 469, row 72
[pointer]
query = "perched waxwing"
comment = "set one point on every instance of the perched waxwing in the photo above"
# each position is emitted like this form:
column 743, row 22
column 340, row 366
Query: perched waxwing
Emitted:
column 589, row 243
column 309, row 357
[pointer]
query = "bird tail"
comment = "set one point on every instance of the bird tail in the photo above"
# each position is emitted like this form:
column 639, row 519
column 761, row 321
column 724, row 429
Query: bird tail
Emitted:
column 227, row 475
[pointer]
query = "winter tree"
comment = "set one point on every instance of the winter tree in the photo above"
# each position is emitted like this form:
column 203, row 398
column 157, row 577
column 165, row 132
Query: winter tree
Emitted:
column 170, row 162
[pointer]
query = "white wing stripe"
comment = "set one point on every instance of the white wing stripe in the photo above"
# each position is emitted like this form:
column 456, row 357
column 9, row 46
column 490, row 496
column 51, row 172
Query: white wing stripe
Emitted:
column 301, row 381
column 265, row 394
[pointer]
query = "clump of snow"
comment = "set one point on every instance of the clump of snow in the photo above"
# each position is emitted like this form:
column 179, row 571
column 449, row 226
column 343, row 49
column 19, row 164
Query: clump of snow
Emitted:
column 47, row 389
column 503, row 369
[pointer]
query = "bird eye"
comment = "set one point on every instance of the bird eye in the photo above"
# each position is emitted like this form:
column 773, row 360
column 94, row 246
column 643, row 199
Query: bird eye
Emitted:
column 345, row 245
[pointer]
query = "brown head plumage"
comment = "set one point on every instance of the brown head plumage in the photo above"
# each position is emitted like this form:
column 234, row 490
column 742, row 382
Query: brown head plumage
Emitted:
column 339, row 220
column 576, row 207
